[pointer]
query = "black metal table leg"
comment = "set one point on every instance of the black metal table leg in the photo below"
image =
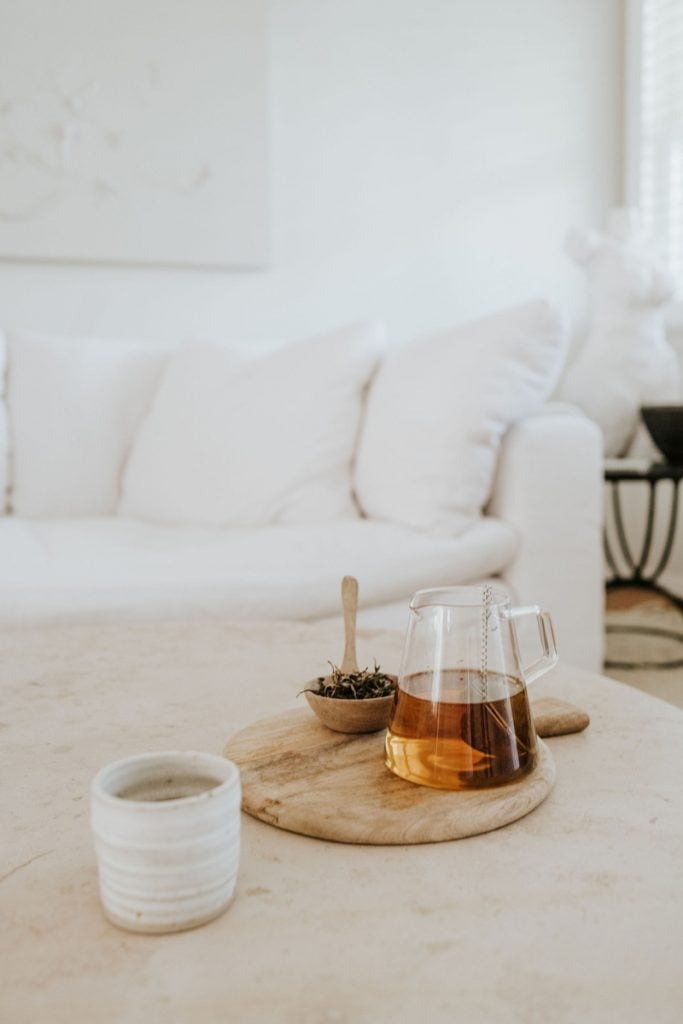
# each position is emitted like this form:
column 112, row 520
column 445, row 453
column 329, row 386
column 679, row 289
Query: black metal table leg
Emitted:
column 637, row 570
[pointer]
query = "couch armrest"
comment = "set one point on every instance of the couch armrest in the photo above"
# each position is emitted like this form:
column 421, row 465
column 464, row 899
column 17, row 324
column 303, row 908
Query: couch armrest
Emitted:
column 549, row 487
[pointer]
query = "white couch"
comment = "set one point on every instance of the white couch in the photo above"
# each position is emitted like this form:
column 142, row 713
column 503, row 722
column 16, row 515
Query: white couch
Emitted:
column 540, row 533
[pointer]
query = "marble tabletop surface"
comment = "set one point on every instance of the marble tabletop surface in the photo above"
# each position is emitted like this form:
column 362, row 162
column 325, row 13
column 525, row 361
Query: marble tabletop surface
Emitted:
column 573, row 914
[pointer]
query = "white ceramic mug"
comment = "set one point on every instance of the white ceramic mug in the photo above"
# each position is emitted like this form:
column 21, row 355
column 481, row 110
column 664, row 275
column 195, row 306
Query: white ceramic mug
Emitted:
column 167, row 838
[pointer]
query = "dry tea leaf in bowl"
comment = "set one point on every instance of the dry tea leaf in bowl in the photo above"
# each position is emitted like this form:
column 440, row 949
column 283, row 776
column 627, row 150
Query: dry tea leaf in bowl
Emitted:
column 359, row 685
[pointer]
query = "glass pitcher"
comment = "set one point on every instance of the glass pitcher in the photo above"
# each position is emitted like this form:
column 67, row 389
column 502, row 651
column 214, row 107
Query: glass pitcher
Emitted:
column 461, row 719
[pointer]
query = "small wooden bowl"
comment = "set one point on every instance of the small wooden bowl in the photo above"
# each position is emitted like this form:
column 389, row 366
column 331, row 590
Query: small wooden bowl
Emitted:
column 352, row 716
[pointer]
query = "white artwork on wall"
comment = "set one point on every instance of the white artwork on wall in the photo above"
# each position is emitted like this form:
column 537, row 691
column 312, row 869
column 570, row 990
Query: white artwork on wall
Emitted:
column 134, row 132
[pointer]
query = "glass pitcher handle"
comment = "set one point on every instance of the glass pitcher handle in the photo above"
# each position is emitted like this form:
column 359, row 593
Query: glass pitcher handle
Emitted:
column 546, row 634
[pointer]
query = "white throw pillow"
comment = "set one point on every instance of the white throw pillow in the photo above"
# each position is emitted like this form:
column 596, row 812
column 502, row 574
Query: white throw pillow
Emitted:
column 74, row 407
column 4, row 430
column 232, row 442
column 438, row 409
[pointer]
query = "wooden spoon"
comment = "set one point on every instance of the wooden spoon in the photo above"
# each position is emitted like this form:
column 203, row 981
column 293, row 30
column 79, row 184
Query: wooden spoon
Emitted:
column 349, row 592
column 353, row 716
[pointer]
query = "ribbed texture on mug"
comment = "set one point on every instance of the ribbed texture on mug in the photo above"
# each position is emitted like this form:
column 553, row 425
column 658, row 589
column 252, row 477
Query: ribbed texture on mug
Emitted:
column 166, row 864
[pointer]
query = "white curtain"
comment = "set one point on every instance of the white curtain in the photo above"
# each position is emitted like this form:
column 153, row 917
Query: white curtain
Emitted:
column 660, row 159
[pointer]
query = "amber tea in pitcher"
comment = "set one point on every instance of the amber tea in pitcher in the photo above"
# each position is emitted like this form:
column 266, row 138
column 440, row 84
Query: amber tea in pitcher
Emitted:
column 459, row 743
column 462, row 718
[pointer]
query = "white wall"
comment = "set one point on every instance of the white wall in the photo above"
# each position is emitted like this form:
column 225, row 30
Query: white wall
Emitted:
column 427, row 157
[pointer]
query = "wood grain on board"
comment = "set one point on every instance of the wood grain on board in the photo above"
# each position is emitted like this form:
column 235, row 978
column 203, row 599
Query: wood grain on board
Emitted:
column 300, row 776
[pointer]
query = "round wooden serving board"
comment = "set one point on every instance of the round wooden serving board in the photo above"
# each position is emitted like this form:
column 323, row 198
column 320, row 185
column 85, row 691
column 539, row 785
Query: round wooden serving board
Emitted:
column 301, row 776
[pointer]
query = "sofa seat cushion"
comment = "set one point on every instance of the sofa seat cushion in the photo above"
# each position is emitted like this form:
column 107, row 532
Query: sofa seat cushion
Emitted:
column 92, row 567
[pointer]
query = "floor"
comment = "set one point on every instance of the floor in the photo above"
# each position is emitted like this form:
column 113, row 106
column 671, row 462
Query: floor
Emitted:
column 630, row 612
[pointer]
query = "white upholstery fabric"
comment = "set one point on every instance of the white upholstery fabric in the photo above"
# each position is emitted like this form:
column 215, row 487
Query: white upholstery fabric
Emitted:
column 4, row 428
column 94, row 567
column 74, row 406
column 438, row 409
column 549, row 487
column 248, row 443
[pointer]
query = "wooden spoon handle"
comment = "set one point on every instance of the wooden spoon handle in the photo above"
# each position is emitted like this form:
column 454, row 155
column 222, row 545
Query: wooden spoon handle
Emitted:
column 349, row 590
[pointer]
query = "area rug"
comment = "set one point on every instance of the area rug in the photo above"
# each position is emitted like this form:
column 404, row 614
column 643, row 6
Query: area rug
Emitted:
column 644, row 648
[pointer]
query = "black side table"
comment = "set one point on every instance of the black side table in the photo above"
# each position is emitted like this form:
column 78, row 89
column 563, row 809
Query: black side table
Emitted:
column 637, row 575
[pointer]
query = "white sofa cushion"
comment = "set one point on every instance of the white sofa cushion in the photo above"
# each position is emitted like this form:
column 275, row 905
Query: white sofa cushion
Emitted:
column 74, row 406
column 80, row 568
column 4, row 430
column 231, row 442
column 437, row 411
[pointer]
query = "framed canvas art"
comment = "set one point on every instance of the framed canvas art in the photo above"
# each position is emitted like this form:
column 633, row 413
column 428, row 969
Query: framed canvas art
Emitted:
column 134, row 132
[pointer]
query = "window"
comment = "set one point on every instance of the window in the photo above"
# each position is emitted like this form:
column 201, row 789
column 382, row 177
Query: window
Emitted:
column 655, row 123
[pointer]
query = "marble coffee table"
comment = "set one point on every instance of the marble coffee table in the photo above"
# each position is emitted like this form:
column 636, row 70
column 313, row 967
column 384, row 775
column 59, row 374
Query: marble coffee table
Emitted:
column 573, row 914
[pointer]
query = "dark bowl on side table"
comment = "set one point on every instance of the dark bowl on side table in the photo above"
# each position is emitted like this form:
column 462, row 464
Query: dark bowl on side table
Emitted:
column 665, row 425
